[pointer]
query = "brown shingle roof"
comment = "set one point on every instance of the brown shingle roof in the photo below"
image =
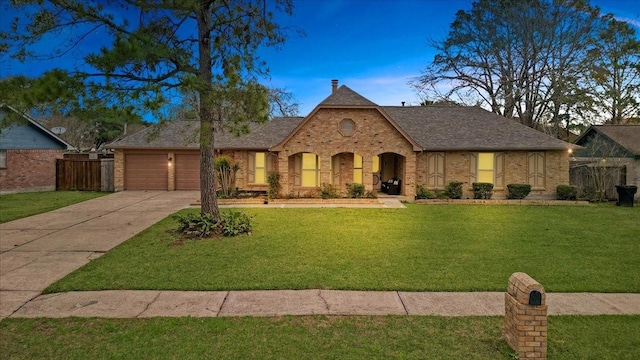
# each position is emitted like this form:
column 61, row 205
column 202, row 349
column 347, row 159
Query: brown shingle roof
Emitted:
column 441, row 128
column 184, row 135
column 344, row 96
column 628, row 136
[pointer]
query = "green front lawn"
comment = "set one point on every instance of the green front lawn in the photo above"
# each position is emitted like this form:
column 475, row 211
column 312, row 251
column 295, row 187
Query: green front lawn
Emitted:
column 316, row 337
column 17, row 206
column 421, row 248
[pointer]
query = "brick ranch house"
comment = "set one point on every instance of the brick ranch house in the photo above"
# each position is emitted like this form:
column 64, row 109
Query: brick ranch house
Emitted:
column 348, row 138
column 28, row 153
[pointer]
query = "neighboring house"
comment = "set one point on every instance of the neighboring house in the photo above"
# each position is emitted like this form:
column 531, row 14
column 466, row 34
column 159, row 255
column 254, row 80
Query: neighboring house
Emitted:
column 28, row 153
column 611, row 156
column 347, row 139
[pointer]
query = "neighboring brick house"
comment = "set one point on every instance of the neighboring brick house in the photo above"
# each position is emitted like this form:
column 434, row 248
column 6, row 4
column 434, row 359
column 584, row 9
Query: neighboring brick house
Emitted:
column 28, row 153
column 611, row 152
column 348, row 138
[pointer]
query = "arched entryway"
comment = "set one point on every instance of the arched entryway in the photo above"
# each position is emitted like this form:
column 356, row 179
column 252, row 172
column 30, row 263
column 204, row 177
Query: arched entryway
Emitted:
column 391, row 173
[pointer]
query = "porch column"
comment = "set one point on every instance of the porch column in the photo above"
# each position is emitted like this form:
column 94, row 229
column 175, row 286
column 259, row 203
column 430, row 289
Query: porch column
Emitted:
column 325, row 169
column 367, row 168
column 410, row 168
column 283, row 169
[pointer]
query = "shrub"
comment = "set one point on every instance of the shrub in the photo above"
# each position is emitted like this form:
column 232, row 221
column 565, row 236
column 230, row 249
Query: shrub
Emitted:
column 423, row 193
column 273, row 179
column 355, row 190
column 226, row 171
column 482, row 190
column 518, row 191
column 453, row 190
column 329, row 191
column 566, row 192
column 198, row 225
column 371, row 194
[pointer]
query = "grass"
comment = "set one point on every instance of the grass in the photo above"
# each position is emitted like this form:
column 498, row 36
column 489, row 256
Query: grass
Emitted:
column 421, row 248
column 17, row 206
column 317, row 337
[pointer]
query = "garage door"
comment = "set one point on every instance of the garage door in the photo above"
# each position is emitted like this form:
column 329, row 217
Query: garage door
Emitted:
column 187, row 171
column 145, row 172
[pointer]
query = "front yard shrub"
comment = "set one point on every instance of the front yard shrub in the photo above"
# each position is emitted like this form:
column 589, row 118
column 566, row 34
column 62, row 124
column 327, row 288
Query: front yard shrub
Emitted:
column 198, row 225
column 329, row 191
column 423, row 193
column 566, row 192
column 482, row 190
column 453, row 190
column 355, row 190
column 226, row 171
column 273, row 179
column 371, row 194
column 518, row 191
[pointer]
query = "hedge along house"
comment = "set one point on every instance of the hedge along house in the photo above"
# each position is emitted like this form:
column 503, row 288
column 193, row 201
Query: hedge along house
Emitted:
column 348, row 139
column 28, row 153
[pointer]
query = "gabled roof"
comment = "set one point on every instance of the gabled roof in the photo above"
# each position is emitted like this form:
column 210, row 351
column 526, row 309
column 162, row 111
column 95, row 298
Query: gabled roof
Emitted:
column 185, row 135
column 43, row 130
column 427, row 128
column 627, row 136
column 344, row 96
column 442, row 128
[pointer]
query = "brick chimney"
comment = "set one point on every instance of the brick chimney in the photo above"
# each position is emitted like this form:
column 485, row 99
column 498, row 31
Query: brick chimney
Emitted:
column 334, row 85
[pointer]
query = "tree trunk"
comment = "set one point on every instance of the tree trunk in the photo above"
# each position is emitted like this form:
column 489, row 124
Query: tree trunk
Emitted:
column 208, row 197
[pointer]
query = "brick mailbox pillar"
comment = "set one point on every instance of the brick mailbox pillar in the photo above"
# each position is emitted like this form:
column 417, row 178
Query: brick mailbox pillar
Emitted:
column 525, row 319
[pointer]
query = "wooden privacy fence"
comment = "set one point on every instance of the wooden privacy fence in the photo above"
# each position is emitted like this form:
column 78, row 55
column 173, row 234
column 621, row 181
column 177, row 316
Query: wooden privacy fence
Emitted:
column 84, row 174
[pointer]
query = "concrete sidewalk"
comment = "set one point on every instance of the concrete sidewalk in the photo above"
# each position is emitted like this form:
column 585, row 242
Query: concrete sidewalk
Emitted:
column 143, row 304
column 41, row 249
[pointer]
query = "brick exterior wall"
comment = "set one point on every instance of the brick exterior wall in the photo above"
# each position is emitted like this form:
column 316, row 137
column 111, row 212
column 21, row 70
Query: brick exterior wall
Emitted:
column 118, row 169
column 373, row 135
column 457, row 168
column 30, row 170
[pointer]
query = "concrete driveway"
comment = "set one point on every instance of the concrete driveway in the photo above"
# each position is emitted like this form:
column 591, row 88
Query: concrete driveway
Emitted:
column 41, row 249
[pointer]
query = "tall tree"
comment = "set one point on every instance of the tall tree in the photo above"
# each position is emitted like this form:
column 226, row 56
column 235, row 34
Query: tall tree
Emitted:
column 614, row 73
column 521, row 59
column 207, row 47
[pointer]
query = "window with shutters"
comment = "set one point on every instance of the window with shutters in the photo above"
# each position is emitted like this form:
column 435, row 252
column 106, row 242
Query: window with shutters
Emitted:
column 536, row 169
column 260, row 163
column 307, row 170
column 435, row 170
column 487, row 168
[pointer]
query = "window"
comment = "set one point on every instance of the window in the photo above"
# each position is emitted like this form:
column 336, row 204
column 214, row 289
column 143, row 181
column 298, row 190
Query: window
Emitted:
column 260, row 163
column 375, row 168
column 357, row 169
column 346, row 127
column 3, row 159
column 485, row 167
column 435, row 170
column 536, row 169
column 310, row 170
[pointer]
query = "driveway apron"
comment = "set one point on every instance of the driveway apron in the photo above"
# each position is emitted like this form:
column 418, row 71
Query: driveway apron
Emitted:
column 41, row 249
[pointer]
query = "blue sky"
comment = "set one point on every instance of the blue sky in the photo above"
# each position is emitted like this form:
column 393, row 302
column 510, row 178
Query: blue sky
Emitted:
column 373, row 46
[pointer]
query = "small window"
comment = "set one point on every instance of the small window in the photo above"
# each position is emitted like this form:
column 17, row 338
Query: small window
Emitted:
column 347, row 127
column 357, row 169
column 310, row 170
column 3, row 159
